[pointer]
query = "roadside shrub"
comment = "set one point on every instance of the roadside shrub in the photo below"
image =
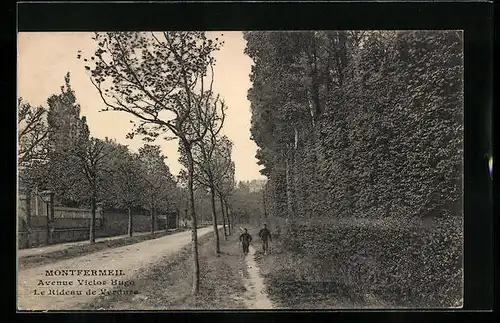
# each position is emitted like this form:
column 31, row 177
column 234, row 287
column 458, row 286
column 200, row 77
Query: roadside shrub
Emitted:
column 413, row 264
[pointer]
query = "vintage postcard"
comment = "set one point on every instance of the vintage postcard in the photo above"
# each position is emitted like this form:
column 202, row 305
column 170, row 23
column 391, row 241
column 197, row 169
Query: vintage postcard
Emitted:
column 240, row 170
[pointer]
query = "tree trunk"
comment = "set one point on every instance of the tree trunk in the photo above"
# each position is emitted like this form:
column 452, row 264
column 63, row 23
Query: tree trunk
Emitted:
column 223, row 216
column 47, row 236
column 194, row 234
column 28, row 218
column 130, row 223
column 214, row 220
column 51, row 208
column 152, row 213
column 229, row 220
column 92, row 218
column 36, row 202
column 264, row 202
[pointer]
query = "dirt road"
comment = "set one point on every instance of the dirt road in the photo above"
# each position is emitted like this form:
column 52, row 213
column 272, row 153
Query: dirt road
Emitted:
column 97, row 274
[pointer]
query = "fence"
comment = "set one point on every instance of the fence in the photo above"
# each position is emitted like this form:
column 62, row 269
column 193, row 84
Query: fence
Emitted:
column 62, row 229
column 117, row 223
column 76, row 229
column 73, row 224
column 41, row 226
column 74, row 213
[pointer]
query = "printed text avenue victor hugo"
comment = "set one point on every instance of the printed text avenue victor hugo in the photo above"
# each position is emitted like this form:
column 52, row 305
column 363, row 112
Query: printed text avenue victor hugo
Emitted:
column 84, row 286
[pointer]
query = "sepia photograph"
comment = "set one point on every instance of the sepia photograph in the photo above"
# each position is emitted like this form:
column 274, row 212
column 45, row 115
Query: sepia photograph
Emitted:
column 240, row 170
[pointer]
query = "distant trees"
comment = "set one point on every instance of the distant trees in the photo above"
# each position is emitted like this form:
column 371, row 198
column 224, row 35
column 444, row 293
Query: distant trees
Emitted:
column 361, row 123
column 248, row 205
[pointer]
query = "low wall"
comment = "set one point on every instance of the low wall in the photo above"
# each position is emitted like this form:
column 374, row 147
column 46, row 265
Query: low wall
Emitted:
column 38, row 237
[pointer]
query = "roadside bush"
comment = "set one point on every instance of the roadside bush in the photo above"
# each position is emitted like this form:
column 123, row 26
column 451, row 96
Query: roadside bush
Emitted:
column 412, row 264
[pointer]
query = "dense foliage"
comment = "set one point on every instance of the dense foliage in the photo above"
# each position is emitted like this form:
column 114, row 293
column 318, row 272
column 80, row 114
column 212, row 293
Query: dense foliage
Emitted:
column 359, row 123
column 365, row 124
column 369, row 263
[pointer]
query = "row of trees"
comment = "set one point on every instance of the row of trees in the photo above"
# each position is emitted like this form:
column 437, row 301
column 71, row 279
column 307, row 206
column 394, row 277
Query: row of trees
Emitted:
column 57, row 153
column 358, row 123
column 164, row 81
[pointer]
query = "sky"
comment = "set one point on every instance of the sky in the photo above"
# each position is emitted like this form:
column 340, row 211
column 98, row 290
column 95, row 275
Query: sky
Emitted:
column 44, row 58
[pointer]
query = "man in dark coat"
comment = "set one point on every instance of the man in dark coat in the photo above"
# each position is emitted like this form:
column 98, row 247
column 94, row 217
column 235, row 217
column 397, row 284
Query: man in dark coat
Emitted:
column 245, row 239
column 265, row 236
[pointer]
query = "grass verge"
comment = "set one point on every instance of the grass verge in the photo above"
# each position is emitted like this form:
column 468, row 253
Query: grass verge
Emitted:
column 367, row 265
column 287, row 288
column 167, row 285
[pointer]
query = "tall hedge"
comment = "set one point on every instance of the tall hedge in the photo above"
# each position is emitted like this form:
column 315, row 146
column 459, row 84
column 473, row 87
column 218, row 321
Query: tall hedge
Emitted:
column 365, row 125
column 352, row 124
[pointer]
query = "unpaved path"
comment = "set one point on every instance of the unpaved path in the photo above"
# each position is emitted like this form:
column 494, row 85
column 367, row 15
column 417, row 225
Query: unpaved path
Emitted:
column 256, row 295
column 61, row 246
column 128, row 260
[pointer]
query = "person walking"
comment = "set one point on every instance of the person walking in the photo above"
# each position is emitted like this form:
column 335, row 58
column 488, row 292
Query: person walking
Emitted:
column 245, row 239
column 265, row 236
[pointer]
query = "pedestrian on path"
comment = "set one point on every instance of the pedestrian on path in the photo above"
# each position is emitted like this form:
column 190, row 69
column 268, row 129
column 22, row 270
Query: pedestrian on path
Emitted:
column 265, row 236
column 245, row 239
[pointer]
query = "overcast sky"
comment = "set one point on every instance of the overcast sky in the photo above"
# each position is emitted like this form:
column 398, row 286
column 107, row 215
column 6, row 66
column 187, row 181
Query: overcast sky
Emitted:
column 44, row 59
